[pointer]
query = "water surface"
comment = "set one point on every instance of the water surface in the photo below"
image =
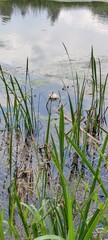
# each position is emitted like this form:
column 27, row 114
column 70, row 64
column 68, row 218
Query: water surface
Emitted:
column 36, row 30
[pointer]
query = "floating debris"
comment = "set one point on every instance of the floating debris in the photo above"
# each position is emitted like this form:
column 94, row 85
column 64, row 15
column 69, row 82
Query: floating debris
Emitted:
column 53, row 96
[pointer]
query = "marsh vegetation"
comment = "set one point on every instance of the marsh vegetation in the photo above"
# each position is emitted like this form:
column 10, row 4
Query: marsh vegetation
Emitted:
column 53, row 120
column 55, row 188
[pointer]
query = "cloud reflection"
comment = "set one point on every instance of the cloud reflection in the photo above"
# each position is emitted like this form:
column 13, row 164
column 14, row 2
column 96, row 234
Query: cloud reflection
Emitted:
column 82, row 18
column 30, row 34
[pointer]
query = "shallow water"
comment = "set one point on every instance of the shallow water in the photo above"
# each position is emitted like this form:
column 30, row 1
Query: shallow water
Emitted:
column 37, row 30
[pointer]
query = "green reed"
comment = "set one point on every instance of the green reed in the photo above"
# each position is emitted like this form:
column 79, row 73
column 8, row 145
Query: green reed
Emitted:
column 19, row 107
column 1, row 225
column 83, row 230
column 55, row 217
column 96, row 111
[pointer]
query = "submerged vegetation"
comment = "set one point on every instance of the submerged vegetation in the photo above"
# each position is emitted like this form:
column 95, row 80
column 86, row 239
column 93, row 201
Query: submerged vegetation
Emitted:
column 56, row 190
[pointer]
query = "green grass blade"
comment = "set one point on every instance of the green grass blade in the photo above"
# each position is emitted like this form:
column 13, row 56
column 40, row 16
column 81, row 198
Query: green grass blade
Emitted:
column 4, row 115
column 71, row 72
column 61, row 137
column 49, row 237
column 47, row 134
column 1, row 226
column 96, row 220
column 68, row 203
column 71, row 109
column 24, row 98
column 24, row 221
column 84, row 159
column 14, row 231
column 10, row 154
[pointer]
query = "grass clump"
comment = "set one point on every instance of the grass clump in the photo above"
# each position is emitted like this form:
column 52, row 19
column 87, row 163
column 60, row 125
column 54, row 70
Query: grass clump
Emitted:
column 19, row 105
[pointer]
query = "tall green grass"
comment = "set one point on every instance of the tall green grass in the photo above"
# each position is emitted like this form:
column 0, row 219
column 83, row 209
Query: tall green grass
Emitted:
column 60, row 215
column 19, row 105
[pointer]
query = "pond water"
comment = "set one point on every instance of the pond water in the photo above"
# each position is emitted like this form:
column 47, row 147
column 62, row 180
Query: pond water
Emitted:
column 37, row 29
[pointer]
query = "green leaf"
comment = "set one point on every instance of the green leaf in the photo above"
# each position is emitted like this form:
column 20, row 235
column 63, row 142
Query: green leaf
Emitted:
column 1, row 226
column 97, row 218
column 61, row 137
column 95, row 197
column 101, row 205
column 35, row 230
column 24, row 220
column 48, row 237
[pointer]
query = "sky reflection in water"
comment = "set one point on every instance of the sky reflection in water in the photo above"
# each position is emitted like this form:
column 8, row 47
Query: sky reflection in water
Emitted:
column 38, row 33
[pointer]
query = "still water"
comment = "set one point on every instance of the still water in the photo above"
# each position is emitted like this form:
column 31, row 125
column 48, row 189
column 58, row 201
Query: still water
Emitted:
column 36, row 30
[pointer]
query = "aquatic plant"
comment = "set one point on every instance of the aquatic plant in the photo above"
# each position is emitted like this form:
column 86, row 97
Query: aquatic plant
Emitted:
column 19, row 105
column 59, row 214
